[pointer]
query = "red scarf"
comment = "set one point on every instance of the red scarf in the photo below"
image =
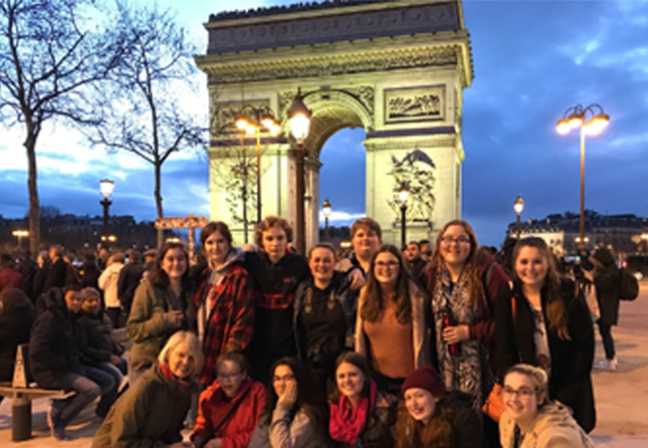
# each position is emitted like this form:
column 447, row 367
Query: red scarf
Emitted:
column 183, row 385
column 347, row 422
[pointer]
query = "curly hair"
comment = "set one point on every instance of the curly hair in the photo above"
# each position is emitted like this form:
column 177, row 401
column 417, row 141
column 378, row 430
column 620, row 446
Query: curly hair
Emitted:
column 371, row 294
column 268, row 223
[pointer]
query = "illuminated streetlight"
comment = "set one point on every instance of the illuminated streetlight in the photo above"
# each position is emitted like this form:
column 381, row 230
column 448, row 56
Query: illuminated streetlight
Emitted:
column 326, row 209
column 518, row 206
column 577, row 117
column 105, row 188
column 300, row 118
column 20, row 234
column 644, row 238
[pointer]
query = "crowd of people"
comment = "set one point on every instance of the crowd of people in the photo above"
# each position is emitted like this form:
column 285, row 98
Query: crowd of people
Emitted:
column 411, row 347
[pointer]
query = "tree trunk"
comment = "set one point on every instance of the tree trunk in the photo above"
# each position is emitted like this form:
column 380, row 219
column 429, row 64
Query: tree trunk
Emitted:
column 34, row 203
column 158, row 199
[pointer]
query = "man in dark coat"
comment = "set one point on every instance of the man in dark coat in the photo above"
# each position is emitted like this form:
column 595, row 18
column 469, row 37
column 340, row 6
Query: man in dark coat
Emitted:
column 55, row 361
column 130, row 276
column 412, row 255
column 606, row 283
column 58, row 271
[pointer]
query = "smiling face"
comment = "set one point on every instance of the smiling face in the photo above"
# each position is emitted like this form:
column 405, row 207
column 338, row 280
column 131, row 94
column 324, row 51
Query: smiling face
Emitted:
column 455, row 245
column 92, row 304
column 419, row 403
column 216, row 248
column 174, row 263
column 283, row 376
column 181, row 362
column 520, row 397
column 386, row 268
column 321, row 263
column 230, row 376
column 365, row 243
column 531, row 266
column 275, row 243
column 350, row 380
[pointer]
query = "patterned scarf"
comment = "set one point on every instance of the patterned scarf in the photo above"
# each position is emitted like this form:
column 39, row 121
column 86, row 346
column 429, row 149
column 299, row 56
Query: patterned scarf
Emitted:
column 346, row 422
column 467, row 371
column 183, row 384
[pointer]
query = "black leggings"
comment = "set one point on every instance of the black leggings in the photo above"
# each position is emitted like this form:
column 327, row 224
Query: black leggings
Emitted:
column 608, row 342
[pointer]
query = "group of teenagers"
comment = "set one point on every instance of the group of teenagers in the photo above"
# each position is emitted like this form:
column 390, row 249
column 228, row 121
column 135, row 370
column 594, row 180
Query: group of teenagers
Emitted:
column 268, row 335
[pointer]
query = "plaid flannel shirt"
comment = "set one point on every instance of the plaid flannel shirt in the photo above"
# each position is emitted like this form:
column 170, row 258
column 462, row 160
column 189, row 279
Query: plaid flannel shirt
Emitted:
column 231, row 319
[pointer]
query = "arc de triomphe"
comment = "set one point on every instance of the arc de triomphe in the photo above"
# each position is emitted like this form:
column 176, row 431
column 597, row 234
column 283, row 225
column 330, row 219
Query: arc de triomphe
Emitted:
column 396, row 68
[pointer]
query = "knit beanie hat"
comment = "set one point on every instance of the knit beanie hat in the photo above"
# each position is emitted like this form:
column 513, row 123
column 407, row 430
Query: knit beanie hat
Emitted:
column 424, row 378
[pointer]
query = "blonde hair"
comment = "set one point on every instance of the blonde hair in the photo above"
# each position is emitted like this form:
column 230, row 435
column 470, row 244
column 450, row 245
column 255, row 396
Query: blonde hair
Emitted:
column 538, row 377
column 190, row 340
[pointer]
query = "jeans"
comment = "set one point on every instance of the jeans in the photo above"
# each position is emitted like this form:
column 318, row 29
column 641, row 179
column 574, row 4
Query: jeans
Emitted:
column 108, row 385
column 608, row 342
column 86, row 392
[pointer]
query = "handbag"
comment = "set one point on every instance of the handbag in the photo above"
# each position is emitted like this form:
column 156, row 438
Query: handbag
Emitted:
column 494, row 404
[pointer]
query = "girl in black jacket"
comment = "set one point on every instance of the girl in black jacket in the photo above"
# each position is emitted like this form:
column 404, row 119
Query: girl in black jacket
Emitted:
column 606, row 284
column 541, row 322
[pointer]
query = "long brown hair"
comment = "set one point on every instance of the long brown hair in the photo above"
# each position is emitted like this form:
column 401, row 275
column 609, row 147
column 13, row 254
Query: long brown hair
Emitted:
column 472, row 268
column 158, row 277
column 556, row 312
column 359, row 361
column 372, row 297
column 437, row 433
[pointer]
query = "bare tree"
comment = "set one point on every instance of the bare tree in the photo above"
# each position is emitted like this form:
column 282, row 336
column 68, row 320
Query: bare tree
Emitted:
column 150, row 113
column 53, row 53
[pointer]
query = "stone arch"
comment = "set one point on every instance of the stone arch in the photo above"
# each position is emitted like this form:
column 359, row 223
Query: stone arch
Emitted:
column 396, row 69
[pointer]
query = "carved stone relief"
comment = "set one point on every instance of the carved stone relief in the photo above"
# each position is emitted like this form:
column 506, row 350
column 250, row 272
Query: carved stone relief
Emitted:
column 416, row 170
column 418, row 104
column 226, row 113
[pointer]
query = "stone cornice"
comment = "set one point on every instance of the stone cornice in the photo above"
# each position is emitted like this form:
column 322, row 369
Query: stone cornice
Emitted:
column 412, row 141
column 336, row 64
column 380, row 19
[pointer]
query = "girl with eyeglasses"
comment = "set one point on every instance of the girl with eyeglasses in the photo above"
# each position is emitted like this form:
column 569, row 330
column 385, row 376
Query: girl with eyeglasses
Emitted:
column 296, row 415
column 390, row 323
column 531, row 419
column 230, row 408
column 463, row 283
column 542, row 322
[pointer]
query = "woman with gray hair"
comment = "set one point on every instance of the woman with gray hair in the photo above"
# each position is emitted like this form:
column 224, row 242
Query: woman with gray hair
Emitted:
column 530, row 419
column 151, row 412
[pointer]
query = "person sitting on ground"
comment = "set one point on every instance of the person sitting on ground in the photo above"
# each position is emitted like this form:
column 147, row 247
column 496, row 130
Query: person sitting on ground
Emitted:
column 54, row 361
column 361, row 415
column 16, row 319
column 152, row 411
column 430, row 417
column 229, row 409
column 95, row 340
column 530, row 419
column 295, row 415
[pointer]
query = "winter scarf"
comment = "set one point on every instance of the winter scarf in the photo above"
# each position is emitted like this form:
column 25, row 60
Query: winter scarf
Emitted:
column 348, row 422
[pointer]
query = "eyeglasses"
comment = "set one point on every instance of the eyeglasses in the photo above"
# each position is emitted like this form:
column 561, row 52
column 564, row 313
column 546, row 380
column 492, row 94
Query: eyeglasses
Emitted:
column 522, row 392
column 389, row 264
column 460, row 240
column 227, row 376
column 283, row 379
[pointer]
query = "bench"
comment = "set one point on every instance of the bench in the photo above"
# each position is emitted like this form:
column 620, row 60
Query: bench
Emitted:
column 22, row 391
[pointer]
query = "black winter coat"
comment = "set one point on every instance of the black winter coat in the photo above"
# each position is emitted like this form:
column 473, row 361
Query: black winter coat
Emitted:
column 606, row 284
column 56, row 276
column 14, row 330
column 52, row 349
column 90, row 276
column 571, row 360
column 94, row 338
column 130, row 276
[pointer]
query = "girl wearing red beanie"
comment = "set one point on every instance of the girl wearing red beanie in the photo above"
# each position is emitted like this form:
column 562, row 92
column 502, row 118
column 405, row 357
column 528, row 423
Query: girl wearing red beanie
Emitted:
column 430, row 418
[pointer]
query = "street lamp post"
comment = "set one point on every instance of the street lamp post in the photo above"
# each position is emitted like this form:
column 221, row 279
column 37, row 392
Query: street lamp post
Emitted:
column 518, row 206
column 576, row 117
column 251, row 120
column 326, row 209
column 20, row 234
column 300, row 117
column 403, row 194
column 106, row 188
column 644, row 238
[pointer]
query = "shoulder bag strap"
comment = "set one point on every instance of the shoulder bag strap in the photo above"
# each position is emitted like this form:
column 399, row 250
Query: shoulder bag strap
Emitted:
column 230, row 413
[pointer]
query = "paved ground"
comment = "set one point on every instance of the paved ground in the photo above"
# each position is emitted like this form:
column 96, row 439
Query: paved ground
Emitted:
column 621, row 396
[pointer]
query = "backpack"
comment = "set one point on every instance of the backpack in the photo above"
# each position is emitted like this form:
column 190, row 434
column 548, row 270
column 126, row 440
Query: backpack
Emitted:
column 628, row 285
